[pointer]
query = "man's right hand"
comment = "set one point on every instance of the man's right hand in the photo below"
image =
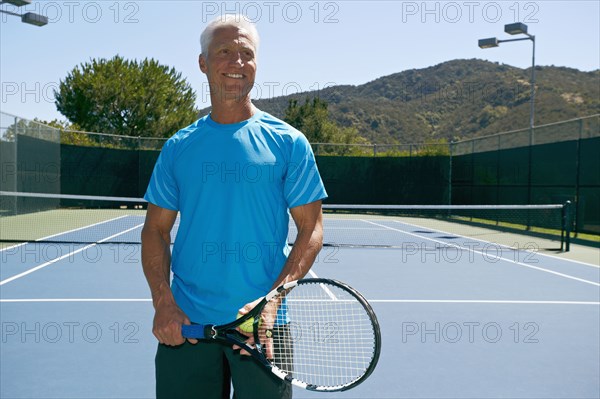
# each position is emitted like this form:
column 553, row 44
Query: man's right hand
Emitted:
column 168, row 319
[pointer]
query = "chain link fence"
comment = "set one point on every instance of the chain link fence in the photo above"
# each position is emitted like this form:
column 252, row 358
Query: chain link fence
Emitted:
column 547, row 164
column 575, row 129
column 581, row 128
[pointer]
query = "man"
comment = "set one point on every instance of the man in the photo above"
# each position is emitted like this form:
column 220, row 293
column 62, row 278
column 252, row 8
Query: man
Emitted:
column 234, row 176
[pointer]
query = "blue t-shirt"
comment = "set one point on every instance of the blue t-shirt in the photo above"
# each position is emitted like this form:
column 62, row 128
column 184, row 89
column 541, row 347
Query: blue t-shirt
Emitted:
column 233, row 185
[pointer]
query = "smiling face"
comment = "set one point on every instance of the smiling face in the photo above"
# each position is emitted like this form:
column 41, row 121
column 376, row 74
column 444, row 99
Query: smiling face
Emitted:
column 229, row 65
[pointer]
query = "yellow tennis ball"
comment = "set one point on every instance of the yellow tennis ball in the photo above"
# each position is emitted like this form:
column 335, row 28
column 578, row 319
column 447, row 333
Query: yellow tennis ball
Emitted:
column 248, row 325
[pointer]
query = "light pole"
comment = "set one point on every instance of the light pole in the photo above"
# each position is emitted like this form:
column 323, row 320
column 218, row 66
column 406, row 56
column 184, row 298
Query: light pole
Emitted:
column 516, row 29
column 29, row 17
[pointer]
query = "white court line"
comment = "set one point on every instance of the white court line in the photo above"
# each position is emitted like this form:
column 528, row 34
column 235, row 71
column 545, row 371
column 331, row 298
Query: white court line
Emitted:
column 350, row 228
column 66, row 232
column 570, row 260
column 327, row 290
column 8, row 280
column 481, row 253
column 27, row 300
column 500, row 245
column 477, row 301
column 448, row 301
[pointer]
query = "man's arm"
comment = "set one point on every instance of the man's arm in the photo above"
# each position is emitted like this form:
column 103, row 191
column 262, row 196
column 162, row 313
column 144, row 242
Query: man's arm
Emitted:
column 309, row 241
column 156, row 262
column 309, row 223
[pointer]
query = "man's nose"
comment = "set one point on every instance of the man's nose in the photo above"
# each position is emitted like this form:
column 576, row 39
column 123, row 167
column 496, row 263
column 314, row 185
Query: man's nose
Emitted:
column 236, row 58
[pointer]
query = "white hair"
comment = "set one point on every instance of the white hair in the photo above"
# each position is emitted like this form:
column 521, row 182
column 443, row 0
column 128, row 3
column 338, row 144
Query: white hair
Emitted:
column 236, row 20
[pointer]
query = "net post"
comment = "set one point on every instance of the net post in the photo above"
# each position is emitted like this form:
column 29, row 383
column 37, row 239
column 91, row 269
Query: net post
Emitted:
column 565, row 235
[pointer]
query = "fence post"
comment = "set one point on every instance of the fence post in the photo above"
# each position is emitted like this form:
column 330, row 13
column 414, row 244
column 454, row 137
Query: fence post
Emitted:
column 530, row 172
column 577, row 174
column 498, row 174
column 18, row 180
column 450, row 174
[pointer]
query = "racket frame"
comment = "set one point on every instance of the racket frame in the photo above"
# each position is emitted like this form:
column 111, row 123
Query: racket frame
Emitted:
column 228, row 332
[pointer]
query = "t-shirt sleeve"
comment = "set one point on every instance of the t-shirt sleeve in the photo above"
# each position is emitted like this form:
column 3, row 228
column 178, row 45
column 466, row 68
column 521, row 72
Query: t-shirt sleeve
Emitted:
column 303, row 183
column 162, row 189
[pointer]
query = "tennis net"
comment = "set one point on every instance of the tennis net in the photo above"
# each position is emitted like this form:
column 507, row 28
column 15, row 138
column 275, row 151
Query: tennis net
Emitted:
column 59, row 218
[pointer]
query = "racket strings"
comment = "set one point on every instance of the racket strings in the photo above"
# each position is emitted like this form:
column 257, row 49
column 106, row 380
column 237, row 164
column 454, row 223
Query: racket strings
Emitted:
column 326, row 336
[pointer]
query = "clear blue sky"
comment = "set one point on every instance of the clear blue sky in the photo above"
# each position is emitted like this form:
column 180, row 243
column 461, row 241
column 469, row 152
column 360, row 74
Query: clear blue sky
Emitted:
column 305, row 45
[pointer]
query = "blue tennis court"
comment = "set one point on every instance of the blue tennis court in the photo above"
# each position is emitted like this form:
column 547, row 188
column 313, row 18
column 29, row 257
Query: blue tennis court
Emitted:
column 481, row 315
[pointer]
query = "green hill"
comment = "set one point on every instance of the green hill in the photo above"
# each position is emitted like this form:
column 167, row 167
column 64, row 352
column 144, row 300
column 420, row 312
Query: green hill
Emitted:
column 457, row 99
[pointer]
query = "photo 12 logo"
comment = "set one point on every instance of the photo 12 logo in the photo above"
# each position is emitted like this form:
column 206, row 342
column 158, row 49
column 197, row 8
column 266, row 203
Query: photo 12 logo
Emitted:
column 469, row 332
column 468, row 11
column 268, row 90
column 71, row 332
column 274, row 11
column 24, row 92
column 80, row 11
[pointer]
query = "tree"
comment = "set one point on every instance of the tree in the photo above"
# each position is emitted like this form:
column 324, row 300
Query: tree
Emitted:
column 312, row 119
column 126, row 98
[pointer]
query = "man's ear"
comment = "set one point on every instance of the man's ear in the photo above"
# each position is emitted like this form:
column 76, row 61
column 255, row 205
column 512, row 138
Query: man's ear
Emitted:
column 202, row 63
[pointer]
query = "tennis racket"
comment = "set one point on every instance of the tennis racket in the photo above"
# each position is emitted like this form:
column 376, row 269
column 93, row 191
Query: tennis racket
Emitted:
column 317, row 334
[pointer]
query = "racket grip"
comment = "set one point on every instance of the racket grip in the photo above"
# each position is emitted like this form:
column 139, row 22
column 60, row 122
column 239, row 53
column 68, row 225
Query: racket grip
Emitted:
column 193, row 331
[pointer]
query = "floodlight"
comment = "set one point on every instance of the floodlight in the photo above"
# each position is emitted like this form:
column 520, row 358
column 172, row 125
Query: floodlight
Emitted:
column 488, row 43
column 17, row 3
column 516, row 28
column 34, row 19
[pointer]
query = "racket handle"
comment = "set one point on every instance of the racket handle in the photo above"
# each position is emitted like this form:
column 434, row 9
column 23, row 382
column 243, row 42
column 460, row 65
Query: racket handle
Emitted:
column 194, row 331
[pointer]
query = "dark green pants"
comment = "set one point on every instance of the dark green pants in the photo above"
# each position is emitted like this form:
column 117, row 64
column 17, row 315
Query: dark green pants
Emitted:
column 207, row 370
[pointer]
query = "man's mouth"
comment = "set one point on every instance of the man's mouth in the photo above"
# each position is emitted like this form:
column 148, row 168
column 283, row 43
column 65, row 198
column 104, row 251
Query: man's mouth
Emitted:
column 234, row 75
